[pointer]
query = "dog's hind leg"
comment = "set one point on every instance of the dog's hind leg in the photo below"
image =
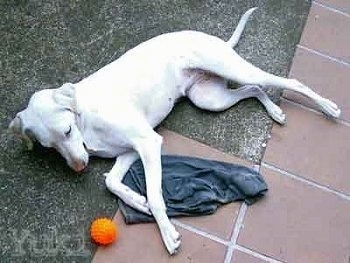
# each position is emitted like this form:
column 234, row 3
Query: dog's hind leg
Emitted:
column 212, row 94
column 114, row 183
column 218, row 57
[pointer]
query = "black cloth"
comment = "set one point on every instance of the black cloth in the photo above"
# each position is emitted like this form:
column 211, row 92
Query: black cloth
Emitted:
column 193, row 186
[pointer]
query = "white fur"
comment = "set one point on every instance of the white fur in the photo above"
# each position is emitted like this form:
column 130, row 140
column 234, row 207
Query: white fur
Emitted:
column 112, row 112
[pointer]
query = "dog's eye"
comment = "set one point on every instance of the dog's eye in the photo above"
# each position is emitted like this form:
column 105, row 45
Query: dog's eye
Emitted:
column 67, row 133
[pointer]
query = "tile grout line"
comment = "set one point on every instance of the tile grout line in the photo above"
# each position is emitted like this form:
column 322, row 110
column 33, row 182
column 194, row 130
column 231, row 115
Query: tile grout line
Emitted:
column 315, row 52
column 340, row 121
column 256, row 254
column 237, row 227
column 199, row 232
column 234, row 237
column 335, row 10
column 239, row 224
column 306, row 181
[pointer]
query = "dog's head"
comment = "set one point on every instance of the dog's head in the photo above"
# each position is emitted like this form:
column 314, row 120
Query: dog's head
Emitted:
column 50, row 118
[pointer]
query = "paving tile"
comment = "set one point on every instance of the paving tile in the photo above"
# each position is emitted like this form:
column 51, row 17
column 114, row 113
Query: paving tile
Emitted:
column 173, row 143
column 311, row 146
column 297, row 222
column 328, row 32
column 241, row 257
column 341, row 5
column 142, row 243
column 324, row 76
column 220, row 224
column 226, row 215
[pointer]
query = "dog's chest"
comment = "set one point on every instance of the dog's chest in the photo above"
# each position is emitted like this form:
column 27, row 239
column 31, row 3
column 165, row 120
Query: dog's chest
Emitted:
column 158, row 106
column 103, row 141
column 157, row 99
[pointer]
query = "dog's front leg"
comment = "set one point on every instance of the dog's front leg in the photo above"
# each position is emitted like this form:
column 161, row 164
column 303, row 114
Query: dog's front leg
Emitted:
column 149, row 149
column 114, row 183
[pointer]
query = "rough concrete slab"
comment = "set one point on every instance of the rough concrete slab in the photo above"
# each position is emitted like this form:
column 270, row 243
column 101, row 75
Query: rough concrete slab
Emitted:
column 46, row 209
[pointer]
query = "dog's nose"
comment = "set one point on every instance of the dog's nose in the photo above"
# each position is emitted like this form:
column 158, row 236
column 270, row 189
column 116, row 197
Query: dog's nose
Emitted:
column 79, row 166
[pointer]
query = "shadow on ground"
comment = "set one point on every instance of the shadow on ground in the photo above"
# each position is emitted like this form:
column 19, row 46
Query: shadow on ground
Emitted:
column 47, row 209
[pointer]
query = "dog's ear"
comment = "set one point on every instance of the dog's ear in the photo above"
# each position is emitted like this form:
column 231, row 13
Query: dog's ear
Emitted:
column 16, row 126
column 65, row 96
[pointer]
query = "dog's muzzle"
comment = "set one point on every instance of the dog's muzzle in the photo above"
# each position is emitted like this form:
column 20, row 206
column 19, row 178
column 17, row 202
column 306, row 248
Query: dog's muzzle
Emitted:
column 79, row 165
column 79, row 162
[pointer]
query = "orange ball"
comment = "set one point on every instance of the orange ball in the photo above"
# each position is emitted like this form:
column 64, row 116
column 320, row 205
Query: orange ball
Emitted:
column 104, row 231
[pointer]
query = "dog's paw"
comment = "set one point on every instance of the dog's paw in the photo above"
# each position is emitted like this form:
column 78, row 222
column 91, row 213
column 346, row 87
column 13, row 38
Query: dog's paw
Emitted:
column 171, row 238
column 129, row 196
column 329, row 108
column 277, row 114
column 139, row 202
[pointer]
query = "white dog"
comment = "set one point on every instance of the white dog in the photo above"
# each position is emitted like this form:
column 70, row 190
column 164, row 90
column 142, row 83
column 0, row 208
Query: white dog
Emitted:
column 112, row 112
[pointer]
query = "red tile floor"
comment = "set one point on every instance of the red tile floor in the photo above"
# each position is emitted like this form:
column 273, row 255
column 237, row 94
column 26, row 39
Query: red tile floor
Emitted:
column 305, row 216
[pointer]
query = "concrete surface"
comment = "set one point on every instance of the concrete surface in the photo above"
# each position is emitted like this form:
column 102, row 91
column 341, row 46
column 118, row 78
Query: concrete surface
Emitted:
column 45, row 208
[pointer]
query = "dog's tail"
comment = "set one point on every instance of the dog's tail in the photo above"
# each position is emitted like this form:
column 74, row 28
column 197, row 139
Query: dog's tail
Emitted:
column 240, row 27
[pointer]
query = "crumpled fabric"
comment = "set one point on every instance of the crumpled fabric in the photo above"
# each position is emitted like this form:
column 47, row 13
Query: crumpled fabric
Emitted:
column 194, row 186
